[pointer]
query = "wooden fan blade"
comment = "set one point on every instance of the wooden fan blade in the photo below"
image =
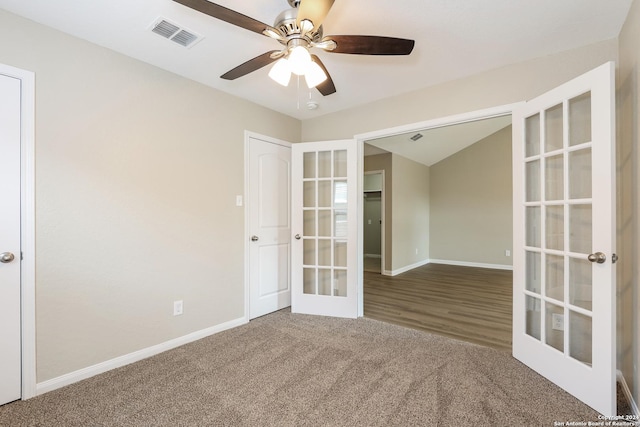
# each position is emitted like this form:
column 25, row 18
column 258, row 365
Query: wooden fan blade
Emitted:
column 314, row 10
column 224, row 14
column 250, row 66
column 371, row 45
column 326, row 87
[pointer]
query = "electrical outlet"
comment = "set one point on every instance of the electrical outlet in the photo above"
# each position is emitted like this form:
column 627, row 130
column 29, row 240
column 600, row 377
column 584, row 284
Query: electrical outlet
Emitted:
column 557, row 322
column 416, row 251
column 507, row 252
column 177, row 308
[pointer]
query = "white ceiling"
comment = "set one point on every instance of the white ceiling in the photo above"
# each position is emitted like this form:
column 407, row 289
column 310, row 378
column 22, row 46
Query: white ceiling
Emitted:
column 439, row 143
column 454, row 39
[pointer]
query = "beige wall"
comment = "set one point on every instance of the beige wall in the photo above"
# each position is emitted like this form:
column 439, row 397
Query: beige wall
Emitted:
column 382, row 162
column 628, row 207
column 471, row 203
column 506, row 85
column 406, row 209
column 136, row 175
column 410, row 207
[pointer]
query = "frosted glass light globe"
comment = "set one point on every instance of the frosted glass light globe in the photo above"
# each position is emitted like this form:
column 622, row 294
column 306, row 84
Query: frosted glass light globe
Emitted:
column 281, row 72
column 299, row 59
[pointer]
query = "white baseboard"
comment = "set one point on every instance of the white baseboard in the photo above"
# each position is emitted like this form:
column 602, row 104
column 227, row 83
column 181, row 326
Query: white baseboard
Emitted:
column 372, row 256
column 627, row 393
column 136, row 356
column 405, row 269
column 472, row 264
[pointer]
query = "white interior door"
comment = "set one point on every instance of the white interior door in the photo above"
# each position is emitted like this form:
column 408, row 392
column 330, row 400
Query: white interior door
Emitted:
column 325, row 228
column 269, row 226
column 564, row 237
column 10, row 353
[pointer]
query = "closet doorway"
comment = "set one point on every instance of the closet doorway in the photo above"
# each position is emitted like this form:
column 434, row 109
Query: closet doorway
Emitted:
column 373, row 228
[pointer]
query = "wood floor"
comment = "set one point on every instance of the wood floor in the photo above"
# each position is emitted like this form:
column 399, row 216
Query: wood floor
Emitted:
column 372, row 264
column 466, row 303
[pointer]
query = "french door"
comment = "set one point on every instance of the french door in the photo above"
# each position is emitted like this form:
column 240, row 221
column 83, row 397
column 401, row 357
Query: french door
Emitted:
column 324, row 228
column 564, row 237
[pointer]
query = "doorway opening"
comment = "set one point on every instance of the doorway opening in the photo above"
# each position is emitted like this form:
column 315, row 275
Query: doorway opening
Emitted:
column 439, row 277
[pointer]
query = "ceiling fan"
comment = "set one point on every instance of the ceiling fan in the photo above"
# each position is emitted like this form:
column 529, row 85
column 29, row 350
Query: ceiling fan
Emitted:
column 299, row 29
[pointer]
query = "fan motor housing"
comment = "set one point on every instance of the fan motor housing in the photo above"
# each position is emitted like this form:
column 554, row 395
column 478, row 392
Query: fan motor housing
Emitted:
column 287, row 24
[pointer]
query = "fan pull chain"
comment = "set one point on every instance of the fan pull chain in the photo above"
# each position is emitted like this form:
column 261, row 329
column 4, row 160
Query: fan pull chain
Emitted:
column 298, row 94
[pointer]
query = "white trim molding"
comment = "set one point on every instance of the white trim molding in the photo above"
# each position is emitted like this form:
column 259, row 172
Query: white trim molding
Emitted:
column 472, row 264
column 627, row 393
column 447, row 262
column 27, row 225
column 405, row 268
column 90, row 371
column 470, row 116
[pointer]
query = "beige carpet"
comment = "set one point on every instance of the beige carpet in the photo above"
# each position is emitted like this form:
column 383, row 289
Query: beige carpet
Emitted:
column 295, row 370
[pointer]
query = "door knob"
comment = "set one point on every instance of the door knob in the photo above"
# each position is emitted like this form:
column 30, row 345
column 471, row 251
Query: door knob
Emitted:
column 598, row 257
column 254, row 238
column 297, row 236
column 6, row 257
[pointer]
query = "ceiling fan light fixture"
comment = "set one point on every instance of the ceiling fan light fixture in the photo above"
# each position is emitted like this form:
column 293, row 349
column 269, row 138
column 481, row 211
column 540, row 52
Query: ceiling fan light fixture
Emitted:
column 281, row 72
column 299, row 60
column 298, row 29
column 314, row 75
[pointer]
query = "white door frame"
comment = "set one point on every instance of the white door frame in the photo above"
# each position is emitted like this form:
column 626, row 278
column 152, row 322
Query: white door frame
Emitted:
column 27, row 225
column 245, row 202
column 471, row 116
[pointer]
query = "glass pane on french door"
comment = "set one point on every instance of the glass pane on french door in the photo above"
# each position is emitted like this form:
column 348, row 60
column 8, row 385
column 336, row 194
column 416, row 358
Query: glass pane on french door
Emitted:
column 325, row 222
column 558, row 224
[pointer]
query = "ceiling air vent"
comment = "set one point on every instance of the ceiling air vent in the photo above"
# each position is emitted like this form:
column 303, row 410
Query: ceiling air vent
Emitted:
column 174, row 32
column 416, row 137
